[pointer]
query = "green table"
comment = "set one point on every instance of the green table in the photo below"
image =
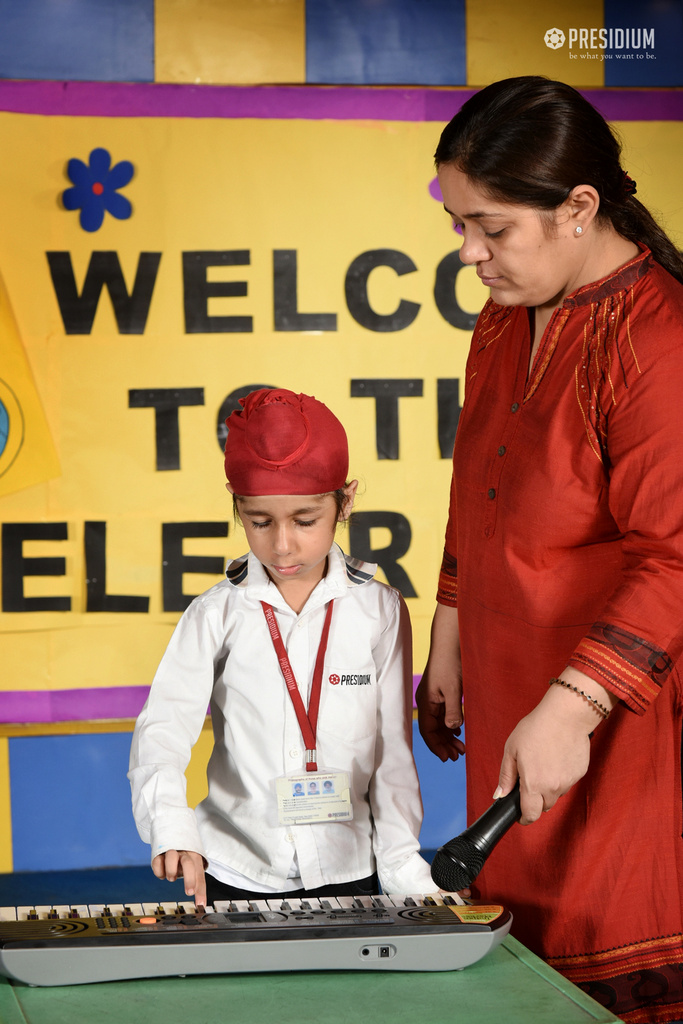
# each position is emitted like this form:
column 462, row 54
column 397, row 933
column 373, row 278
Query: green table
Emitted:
column 509, row 986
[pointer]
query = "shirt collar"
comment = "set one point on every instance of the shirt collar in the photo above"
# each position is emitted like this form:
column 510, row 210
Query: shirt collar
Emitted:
column 343, row 573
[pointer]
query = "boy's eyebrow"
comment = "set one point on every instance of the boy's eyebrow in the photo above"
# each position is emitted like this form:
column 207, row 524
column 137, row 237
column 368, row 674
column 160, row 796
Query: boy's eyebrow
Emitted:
column 297, row 512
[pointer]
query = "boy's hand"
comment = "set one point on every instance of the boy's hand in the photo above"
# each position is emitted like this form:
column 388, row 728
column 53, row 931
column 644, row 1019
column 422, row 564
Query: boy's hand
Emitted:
column 184, row 864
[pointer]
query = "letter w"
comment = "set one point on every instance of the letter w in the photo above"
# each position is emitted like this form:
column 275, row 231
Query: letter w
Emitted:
column 78, row 311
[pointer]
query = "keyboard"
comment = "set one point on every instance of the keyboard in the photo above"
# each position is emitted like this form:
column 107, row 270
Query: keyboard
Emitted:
column 74, row 945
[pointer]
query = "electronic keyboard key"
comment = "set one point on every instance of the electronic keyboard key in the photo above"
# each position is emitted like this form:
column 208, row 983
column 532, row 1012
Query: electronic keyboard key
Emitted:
column 134, row 910
column 61, row 912
column 294, row 903
column 396, row 901
column 115, row 909
column 241, row 906
column 221, row 906
column 8, row 913
column 311, row 903
column 78, row 910
column 346, row 902
column 364, row 901
column 259, row 905
column 379, row 902
column 152, row 910
column 453, row 899
column 168, row 907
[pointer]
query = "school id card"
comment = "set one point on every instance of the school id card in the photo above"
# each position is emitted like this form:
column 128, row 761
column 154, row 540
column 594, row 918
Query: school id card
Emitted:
column 307, row 798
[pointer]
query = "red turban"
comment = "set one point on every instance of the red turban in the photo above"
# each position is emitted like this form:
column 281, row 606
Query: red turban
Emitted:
column 282, row 443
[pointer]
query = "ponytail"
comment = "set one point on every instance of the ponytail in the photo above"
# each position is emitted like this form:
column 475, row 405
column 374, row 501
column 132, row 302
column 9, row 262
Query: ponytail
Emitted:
column 531, row 141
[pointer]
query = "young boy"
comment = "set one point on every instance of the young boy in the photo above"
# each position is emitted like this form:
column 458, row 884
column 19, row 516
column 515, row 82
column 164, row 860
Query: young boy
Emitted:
column 305, row 661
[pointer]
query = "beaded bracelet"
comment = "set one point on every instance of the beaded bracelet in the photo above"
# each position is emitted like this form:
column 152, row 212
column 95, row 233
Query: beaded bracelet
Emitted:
column 600, row 708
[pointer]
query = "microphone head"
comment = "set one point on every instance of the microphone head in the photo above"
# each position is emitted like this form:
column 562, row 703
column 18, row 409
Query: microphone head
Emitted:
column 456, row 864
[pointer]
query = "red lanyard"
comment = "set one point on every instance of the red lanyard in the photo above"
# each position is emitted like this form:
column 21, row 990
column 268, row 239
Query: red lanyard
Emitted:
column 308, row 723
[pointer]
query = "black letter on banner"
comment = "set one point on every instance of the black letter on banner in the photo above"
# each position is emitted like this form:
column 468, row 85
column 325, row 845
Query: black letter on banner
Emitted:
column 448, row 406
column 166, row 402
column 98, row 600
column 386, row 394
column 197, row 291
column 15, row 566
column 175, row 563
column 286, row 316
column 104, row 270
column 360, row 525
column 444, row 293
column 356, row 287
column 230, row 404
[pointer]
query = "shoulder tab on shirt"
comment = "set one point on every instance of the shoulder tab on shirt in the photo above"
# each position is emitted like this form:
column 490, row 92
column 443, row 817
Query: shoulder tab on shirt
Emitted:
column 357, row 570
column 237, row 571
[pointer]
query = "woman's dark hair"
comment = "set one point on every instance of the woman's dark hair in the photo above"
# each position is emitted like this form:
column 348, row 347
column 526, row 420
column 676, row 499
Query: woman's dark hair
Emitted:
column 530, row 140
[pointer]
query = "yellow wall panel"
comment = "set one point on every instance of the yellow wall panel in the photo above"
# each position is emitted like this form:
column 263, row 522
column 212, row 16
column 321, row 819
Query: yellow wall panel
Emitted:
column 506, row 39
column 5, row 811
column 195, row 774
column 234, row 42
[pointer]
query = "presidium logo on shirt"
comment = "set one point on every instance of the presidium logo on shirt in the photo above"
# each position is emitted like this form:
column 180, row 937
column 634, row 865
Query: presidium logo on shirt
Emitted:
column 350, row 680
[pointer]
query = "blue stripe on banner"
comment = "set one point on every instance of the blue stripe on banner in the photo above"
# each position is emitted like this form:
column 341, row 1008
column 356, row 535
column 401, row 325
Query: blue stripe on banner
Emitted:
column 105, row 41
column 385, row 42
column 71, row 803
column 650, row 56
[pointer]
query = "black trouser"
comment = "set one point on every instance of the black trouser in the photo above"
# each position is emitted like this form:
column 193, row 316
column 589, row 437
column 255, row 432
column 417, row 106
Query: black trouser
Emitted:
column 216, row 890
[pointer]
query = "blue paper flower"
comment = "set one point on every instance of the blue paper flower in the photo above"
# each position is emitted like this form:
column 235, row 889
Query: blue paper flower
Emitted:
column 95, row 186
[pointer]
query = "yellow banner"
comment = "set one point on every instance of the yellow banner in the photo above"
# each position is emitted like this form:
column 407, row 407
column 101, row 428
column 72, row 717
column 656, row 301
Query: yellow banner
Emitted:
column 303, row 254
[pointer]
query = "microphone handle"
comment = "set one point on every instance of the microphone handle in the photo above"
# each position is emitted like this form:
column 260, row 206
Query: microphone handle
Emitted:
column 495, row 822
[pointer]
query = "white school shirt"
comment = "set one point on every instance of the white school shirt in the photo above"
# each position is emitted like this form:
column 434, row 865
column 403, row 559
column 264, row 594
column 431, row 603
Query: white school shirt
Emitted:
column 221, row 655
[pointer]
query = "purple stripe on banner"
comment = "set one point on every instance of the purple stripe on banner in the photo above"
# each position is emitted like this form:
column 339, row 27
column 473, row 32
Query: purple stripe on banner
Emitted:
column 32, row 706
column 102, row 99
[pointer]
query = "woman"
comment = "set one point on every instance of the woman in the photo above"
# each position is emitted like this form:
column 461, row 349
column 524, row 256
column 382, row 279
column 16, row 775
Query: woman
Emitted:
column 563, row 561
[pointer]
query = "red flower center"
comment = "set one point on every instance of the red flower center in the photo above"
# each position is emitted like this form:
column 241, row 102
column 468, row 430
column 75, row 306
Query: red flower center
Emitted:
column 98, row 188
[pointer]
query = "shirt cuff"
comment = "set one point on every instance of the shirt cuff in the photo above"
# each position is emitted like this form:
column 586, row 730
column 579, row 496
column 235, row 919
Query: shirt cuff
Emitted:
column 177, row 831
column 413, row 877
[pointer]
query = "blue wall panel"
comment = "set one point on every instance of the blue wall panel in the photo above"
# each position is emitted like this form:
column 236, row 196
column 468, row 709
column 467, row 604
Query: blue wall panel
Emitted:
column 443, row 794
column 71, row 803
column 385, row 42
column 79, row 40
column 651, row 66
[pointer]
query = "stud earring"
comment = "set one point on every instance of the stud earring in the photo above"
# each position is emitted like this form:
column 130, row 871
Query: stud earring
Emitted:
column 578, row 229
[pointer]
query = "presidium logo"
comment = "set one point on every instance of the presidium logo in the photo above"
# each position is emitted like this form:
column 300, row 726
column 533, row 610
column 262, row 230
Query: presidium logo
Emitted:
column 621, row 43
column 554, row 38
column 350, row 680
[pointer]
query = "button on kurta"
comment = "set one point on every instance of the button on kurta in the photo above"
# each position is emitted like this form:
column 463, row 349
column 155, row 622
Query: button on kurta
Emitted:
column 492, row 492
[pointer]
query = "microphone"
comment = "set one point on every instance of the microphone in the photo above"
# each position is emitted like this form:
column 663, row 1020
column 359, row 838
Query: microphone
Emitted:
column 458, row 862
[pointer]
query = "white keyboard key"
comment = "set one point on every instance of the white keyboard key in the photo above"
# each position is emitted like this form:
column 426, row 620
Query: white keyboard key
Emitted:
column 79, row 909
column 8, row 913
column 260, row 905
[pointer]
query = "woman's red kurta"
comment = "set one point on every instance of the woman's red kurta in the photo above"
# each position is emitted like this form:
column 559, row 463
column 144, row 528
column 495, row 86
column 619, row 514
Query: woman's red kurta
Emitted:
column 565, row 547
